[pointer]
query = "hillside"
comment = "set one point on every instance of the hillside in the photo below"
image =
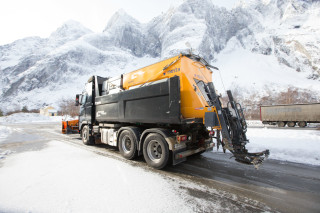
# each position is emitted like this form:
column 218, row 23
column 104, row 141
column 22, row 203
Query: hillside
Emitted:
column 262, row 48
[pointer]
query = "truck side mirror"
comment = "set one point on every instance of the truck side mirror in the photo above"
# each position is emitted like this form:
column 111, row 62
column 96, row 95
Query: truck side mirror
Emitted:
column 77, row 100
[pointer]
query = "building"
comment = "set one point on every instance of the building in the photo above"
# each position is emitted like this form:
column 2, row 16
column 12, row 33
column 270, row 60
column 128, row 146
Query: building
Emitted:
column 48, row 111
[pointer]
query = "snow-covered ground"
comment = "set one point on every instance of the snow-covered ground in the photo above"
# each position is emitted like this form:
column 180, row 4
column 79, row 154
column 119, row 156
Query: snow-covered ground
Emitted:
column 60, row 178
column 29, row 117
column 293, row 145
column 4, row 132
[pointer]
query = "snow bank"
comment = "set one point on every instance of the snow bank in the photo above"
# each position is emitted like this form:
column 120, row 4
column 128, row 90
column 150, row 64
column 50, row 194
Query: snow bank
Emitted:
column 4, row 132
column 301, row 146
column 4, row 153
column 28, row 117
column 62, row 178
column 254, row 123
column 294, row 145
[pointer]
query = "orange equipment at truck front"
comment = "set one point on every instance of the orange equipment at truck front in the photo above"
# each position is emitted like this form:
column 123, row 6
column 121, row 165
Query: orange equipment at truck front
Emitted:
column 70, row 126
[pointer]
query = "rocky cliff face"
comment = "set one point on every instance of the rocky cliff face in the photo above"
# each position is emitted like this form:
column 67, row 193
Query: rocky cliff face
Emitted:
column 37, row 71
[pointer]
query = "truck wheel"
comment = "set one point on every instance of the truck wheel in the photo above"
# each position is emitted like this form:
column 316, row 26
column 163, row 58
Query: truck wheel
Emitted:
column 156, row 151
column 291, row 124
column 87, row 139
column 281, row 124
column 127, row 145
column 302, row 124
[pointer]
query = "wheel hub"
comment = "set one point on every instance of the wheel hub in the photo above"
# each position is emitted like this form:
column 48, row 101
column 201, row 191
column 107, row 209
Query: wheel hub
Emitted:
column 154, row 151
column 126, row 144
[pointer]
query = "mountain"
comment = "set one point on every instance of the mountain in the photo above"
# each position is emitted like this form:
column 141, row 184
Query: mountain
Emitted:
column 265, row 45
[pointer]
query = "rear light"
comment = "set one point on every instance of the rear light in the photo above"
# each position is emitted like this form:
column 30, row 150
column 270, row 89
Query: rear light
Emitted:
column 211, row 133
column 181, row 138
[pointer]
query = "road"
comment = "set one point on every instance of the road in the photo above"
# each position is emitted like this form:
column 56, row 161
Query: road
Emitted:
column 276, row 187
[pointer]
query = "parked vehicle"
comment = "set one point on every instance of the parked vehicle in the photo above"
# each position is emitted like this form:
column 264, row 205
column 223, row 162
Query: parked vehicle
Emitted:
column 290, row 115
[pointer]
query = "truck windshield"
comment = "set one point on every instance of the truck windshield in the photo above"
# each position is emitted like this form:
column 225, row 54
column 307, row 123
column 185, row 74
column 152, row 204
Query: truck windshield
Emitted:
column 204, row 89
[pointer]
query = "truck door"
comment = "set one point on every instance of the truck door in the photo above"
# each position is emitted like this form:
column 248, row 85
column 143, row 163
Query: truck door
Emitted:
column 86, row 105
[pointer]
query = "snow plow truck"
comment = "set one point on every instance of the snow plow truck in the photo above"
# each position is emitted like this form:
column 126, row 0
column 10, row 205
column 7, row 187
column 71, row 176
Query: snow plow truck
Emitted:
column 166, row 112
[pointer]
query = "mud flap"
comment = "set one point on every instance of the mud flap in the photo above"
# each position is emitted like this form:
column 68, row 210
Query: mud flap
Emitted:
column 180, row 160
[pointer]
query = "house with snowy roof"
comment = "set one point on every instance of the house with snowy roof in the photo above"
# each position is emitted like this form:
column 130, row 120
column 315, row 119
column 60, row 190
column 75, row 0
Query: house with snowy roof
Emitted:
column 48, row 111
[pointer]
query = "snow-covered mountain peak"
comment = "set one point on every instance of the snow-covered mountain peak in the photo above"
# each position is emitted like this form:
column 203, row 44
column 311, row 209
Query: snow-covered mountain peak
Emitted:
column 121, row 19
column 70, row 30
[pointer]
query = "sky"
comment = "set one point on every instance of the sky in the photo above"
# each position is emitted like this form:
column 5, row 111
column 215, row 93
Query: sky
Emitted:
column 23, row 18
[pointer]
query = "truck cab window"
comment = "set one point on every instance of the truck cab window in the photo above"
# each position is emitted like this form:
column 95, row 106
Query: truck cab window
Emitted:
column 83, row 99
column 88, row 91
column 204, row 90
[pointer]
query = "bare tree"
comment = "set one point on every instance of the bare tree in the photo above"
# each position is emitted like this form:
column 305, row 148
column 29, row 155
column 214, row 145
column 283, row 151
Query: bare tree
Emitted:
column 67, row 107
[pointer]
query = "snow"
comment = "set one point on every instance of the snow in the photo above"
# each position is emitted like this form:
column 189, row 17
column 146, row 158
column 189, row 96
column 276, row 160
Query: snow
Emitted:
column 300, row 146
column 29, row 117
column 62, row 178
column 4, row 132
column 253, row 72
column 293, row 145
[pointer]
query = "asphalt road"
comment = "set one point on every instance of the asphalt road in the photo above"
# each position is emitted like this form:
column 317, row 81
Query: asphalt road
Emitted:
column 276, row 187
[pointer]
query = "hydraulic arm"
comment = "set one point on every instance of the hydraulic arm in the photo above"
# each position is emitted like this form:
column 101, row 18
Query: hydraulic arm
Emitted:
column 233, row 129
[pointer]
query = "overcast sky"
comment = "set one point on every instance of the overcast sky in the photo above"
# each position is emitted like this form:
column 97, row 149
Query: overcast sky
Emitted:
column 22, row 18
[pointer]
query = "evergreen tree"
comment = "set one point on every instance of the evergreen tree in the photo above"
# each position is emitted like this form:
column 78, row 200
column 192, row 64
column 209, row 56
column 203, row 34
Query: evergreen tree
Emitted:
column 25, row 109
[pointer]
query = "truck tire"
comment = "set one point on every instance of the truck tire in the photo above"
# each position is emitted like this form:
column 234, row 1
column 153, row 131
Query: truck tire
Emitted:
column 127, row 145
column 87, row 139
column 281, row 124
column 156, row 151
column 291, row 124
column 302, row 124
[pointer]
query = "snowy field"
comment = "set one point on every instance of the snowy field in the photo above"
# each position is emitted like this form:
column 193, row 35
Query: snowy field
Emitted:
column 62, row 178
column 29, row 117
column 293, row 145
column 286, row 144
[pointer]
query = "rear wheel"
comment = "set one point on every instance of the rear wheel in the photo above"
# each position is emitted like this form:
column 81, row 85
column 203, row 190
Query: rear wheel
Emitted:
column 302, row 124
column 127, row 145
column 156, row 151
column 87, row 139
column 281, row 124
column 291, row 124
